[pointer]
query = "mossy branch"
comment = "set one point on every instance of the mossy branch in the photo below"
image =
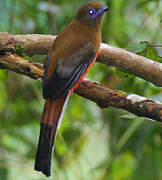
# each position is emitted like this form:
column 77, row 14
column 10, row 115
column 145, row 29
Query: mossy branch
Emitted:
column 33, row 44
column 101, row 95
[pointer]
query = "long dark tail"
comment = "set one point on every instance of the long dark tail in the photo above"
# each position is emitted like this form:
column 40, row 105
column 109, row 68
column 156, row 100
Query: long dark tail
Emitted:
column 49, row 123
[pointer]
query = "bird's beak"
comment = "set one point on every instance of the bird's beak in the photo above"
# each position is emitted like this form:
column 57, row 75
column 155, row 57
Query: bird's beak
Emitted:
column 101, row 11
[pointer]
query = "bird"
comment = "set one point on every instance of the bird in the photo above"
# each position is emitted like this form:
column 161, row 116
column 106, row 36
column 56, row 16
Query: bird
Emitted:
column 72, row 54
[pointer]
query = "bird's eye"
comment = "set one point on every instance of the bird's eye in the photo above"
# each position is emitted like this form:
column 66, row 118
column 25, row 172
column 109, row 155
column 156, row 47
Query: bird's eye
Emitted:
column 91, row 11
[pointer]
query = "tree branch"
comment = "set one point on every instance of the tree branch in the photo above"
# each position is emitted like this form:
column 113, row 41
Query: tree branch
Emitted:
column 103, row 96
column 22, row 66
column 132, row 63
column 133, row 103
column 33, row 44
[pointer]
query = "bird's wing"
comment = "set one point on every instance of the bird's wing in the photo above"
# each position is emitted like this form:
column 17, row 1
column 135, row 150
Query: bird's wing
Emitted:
column 67, row 72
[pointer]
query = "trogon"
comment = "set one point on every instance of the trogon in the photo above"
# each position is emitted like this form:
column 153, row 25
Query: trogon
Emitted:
column 72, row 54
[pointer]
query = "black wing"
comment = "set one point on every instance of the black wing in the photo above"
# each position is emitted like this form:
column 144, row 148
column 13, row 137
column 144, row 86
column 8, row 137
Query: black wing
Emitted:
column 60, row 83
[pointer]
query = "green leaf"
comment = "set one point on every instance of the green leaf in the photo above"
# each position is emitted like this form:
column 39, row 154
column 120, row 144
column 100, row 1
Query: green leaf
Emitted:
column 150, row 52
column 136, row 48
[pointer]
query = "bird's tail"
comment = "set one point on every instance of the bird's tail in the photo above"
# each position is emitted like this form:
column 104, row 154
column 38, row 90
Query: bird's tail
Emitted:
column 49, row 124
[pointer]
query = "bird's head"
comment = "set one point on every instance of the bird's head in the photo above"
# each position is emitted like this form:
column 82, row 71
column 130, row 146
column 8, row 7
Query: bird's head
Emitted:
column 91, row 13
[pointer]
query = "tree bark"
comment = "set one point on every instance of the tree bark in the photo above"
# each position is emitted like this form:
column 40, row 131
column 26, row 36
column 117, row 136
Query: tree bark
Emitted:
column 32, row 44
column 101, row 95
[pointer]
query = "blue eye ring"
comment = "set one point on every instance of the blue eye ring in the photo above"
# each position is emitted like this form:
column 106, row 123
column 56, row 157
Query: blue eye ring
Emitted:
column 91, row 11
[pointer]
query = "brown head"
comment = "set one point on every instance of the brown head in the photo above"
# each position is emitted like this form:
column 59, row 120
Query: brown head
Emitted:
column 91, row 13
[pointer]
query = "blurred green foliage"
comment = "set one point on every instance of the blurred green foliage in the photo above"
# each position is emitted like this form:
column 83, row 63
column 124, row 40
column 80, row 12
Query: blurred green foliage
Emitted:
column 92, row 143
